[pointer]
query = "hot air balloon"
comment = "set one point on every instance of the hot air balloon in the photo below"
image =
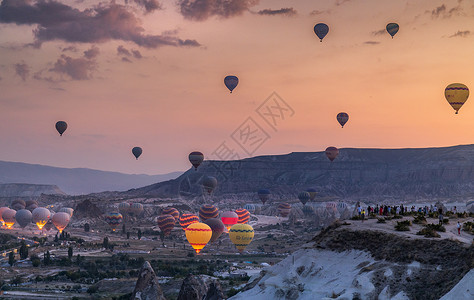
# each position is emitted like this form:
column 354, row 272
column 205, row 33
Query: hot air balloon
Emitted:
column 321, row 30
column 332, row 153
column 250, row 208
column 196, row 158
column 209, row 183
column 137, row 151
column 41, row 215
column 136, row 209
column 241, row 235
column 456, row 94
column 331, row 207
column 114, row 219
column 312, row 193
column 2, row 209
column 217, row 228
column 171, row 211
column 67, row 210
column 229, row 218
column 61, row 126
column 23, row 217
column 243, row 214
column 341, row 206
column 284, row 209
column 264, row 195
column 61, row 220
column 166, row 223
column 187, row 219
column 18, row 204
column 231, row 82
column 208, row 211
column 198, row 235
column 304, row 197
column 392, row 28
column 308, row 210
column 342, row 118
column 8, row 217
column 124, row 208
column 49, row 225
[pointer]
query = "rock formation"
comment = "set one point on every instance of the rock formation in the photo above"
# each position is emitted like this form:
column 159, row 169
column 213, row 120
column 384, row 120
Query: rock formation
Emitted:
column 147, row 287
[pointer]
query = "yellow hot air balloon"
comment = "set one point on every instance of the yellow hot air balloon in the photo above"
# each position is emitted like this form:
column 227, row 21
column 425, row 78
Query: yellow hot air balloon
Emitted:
column 456, row 94
column 198, row 235
column 241, row 235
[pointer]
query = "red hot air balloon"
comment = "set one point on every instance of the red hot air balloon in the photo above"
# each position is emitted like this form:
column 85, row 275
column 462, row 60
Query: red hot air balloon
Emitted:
column 244, row 215
column 187, row 219
column 229, row 218
column 166, row 223
column 332, row 153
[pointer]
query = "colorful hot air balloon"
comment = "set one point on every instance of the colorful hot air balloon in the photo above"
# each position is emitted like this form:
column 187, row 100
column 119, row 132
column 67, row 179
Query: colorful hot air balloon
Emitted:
column 171, row 211
column 332, row 153
column 341, row 206
column 321, row 30
column 41, row 215
column 284, row 209
column 23, row 217
column 196, row 158
column 231, row 82
column 187, row 219
column 124, row 208
column 342, row 118
column 264, row 195
column 8, row 217
column 2, row 209
column 198, row 235
column 312, row 193
column 241, row 235
column 61, row 126
column 456, row 94
column 243, row 214
column 67, row 210
column 136, row 209
column 208, row 211
column 392, row 28
column 217, row 228
column 166, row 223
column 137, row 151
column 304, row 197
column 61, row 220
column 114, row 219
column 209, row 183
column 250, row 208
column 229, row 218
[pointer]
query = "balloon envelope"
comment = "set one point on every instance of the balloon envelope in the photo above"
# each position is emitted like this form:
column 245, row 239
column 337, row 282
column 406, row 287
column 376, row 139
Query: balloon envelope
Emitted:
column 187, row 219
column 342, row 118
column 61, row 220
column 166, row 223
column 208, row 211
column 198, row 235
column 23, row 217
column 2, row 209
column 196, row 158
column 304, row 197
column 8, row 217
column 217, row 228
column 114, row 219
column 241, row 235
column 41, row 215
column 137, row 151
column 124, row 207
column 321, row 30
column 312, row 193
column 171, row 211
column 229, row 218
column 392, row 28
column 332, row 153
column 243, row 214
column 250, row 208
column 231, row 82
column 67, row 210
column 209, row 184
column 264, row 195
column 284, row 209
column 456, row 94
column 136, row 209
column 61, row 126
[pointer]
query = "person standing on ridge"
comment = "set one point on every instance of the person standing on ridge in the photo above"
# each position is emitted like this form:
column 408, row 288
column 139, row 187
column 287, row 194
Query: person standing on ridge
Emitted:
column 458, row 226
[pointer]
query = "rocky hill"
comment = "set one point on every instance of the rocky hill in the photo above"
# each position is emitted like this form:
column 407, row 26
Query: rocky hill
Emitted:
column 22, row 190
column 356, row 174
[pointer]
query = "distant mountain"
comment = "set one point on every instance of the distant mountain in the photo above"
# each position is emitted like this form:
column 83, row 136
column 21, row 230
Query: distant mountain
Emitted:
column 356, row 174
column 76, row 181
column 23, row 190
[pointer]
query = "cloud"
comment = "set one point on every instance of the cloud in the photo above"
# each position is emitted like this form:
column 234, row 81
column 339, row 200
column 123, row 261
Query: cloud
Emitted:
column 92, row 52
column 121, row 50
column 70, row 48
column 201, row 10
column 76, row 68
column 460, row 33
column 148, row 5
column 290, row 11
column 443, row 12
column 101, row 23
column 379, row 32
column 341, row 2
column 371, row 43
column 317, row 12
column 22, row 70
column 136, row 54
column 126, row 59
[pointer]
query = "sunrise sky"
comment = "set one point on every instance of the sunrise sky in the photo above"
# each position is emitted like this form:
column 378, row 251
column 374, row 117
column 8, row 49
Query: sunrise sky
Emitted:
column 150, row 73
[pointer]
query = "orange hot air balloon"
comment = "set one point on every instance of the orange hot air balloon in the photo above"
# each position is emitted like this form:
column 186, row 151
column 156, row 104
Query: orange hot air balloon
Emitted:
column 284, row 209
column 8, row 217
column 171, row 211
column 332, row 153
column 198, row 235
column 61, row 220
column 244, row 215
column 208, row 211
column 166, row 223
column 187, row 219
column 229, row 218
column 41, row 215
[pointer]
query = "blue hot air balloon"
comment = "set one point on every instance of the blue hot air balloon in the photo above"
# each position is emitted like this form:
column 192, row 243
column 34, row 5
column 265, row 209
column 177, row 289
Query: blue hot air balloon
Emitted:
column 392, row 28
column 321, row 30
column 231, row 82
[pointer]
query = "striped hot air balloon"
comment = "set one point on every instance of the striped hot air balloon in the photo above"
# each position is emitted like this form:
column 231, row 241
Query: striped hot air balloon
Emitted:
column 171, row 211
column 124, row 208
column 208, row 211
column 241, row 235
column 166, row 223
column 229, row 218
column 250, row 208
column 198, row 235
column 456, row 94
column 136, row 209
column 217, row 228
column 187, row 219
column 114, row 219
column 284, row 209
column 244, row 215
column 196, row 158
